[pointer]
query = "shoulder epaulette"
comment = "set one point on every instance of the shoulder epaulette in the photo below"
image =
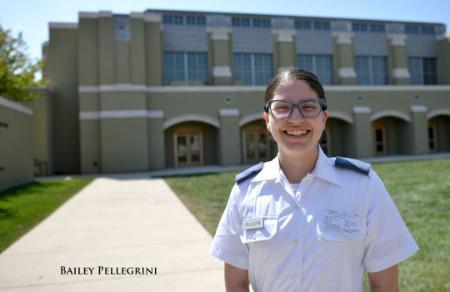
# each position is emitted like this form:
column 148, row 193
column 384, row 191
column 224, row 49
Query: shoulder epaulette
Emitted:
column 346, row 164
column 249, row 172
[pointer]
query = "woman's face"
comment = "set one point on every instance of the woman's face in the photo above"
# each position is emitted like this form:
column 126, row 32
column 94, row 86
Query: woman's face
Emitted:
column 295, row 135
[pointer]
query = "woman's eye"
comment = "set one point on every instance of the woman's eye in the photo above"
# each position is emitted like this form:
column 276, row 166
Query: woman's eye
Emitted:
column 281, row 108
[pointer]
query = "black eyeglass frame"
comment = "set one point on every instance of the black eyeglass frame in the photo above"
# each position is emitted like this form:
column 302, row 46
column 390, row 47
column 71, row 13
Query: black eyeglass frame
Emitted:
column 322, row 103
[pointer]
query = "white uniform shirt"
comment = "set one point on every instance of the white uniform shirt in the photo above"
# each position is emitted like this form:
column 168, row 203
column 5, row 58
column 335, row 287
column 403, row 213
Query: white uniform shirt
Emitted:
column 319, row 238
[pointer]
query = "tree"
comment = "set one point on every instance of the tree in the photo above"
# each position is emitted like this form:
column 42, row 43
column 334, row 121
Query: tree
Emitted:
column 17, row 70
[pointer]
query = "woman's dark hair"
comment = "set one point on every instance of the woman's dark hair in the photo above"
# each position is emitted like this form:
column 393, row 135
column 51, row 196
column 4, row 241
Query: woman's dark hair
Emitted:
column 290, row 74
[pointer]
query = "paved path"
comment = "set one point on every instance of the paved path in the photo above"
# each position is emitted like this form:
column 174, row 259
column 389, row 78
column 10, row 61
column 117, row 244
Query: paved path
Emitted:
column 126, row 221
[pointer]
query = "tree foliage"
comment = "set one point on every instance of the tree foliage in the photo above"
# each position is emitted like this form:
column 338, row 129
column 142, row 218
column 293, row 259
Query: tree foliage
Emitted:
column 17, row 70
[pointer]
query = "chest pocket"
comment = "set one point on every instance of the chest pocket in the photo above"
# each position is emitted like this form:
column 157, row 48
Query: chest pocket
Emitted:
column 340, row 226
column 264, row 233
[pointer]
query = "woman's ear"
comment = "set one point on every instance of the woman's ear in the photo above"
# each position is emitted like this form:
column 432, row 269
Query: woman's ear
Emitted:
column 266, row 120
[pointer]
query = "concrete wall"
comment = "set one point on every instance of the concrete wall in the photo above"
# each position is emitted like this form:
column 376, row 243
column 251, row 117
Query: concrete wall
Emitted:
column 16, row 144
column 62, row 70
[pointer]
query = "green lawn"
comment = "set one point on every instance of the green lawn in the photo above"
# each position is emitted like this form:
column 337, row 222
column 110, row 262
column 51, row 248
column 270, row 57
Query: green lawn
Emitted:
column 24, row 207
column 420, row 189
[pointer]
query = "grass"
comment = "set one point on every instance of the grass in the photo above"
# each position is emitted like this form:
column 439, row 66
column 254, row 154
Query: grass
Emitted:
column 420, row 189
column 23, row 207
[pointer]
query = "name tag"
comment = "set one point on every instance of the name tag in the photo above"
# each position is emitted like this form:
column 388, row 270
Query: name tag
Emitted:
column 343, row 223
column 253, row 223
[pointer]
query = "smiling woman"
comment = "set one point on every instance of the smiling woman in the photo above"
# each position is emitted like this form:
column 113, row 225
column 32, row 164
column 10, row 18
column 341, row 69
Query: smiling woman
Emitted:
column 305, row 221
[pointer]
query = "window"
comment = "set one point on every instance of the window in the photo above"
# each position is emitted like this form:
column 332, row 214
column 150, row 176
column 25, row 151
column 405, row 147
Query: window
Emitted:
column 253, row 68
column 428, row 30
column 412, row 29
column 423, row 70
column 195, row 20
column 250, row 22
column 377, row 27
column 240, row 22
column 185, row 66
column 321, row 65
column 379, row 131
column 322, row 25
column 316, row 25
column 360, row 27
column 261, row 22
column 371, row 70
column 121, row 28
column 302, row 24
column 366, row 27
column 189, row 20
column 432, row 136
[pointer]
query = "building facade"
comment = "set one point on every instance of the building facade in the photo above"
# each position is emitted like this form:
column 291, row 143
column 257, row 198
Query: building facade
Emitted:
column 163, row 89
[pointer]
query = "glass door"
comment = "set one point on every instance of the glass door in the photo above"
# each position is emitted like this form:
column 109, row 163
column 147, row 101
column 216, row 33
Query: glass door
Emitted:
column 188, row 149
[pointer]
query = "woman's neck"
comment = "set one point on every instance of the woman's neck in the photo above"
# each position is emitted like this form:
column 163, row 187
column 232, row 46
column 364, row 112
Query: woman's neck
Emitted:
column 295, row 168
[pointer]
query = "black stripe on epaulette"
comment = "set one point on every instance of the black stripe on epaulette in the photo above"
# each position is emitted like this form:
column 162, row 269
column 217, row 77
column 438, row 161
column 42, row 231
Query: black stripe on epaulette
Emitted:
column 249, row 172
column 344, row 163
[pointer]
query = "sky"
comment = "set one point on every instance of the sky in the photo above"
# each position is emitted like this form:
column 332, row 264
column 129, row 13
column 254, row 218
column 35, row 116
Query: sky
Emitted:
column 32, row 17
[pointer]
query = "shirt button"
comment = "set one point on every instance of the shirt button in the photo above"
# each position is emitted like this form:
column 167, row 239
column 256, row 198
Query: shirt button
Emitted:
column 295, row 242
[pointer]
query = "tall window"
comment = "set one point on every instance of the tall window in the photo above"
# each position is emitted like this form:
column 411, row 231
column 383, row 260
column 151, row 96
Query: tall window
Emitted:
column 185, row 66
column 253, row 68
column 371, row 70
column 321, row 65
column 423, row 70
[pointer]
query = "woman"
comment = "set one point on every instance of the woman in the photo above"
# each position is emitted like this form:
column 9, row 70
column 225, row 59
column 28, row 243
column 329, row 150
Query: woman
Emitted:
column 304, row 221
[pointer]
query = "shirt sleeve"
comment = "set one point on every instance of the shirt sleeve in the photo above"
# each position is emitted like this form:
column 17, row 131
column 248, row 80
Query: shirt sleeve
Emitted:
column 227, row 245
column 388, row 240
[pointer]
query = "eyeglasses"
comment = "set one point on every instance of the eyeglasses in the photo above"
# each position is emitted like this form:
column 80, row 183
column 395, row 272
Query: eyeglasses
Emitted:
column 282, row 109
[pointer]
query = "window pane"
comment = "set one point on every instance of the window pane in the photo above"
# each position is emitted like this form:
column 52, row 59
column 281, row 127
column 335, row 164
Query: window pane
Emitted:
column 378, row 70
column 197, row 66
column 323, row 69
column 416, row 70
column 263, row 68
column 243, row 68
column 429, row 71
column 362, row 70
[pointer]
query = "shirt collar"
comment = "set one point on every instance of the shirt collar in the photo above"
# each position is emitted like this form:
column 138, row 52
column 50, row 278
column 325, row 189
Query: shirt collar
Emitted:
column 324, row 169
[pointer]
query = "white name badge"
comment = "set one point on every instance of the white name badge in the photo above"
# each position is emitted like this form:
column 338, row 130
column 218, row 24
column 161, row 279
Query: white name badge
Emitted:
column 253, row 223
column 343, row 223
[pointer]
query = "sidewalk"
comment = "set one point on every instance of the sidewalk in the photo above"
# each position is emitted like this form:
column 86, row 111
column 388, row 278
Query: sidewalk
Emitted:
column 125, row 221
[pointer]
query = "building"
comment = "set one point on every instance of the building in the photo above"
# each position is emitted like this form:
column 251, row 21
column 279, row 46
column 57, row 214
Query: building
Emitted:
column 163, row 89
column 16, row 144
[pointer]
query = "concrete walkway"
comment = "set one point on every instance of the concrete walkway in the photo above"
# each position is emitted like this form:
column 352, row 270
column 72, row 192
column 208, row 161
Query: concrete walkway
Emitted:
column 125, row 221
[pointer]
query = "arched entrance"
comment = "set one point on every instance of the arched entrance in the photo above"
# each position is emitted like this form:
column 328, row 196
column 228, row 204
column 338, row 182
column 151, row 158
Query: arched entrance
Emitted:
column 191, row 144
column 336, row 137
column 391, row 136
column 439, row 133
column 257, row 144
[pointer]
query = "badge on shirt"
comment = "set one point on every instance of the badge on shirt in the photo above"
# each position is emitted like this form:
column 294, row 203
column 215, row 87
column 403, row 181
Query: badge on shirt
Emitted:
column 341, row 223
column 253, row 223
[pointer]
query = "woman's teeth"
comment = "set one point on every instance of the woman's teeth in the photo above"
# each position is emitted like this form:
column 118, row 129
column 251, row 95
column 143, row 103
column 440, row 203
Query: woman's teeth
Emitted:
column 297, row 132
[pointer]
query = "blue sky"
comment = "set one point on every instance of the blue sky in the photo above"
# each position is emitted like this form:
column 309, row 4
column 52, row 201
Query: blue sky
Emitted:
column 31, row 17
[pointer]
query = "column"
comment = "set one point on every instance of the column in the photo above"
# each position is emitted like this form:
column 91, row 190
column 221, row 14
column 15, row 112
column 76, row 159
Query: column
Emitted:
column 219, row 39
column 88, row 80
column 230, row 149
column 362, row 132
column 443, row 59
column 344, row 57
column 153, row 49
column 419, row 129
column 284, row 40
column 156, row 140
column 398, row 72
